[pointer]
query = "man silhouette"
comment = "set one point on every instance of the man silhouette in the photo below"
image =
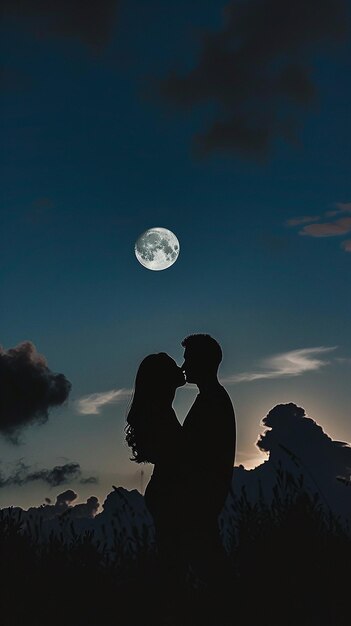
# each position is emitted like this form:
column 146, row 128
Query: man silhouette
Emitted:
column 208, row 452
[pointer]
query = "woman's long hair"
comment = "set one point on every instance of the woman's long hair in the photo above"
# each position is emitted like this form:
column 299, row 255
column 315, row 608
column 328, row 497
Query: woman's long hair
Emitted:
column 141, row 428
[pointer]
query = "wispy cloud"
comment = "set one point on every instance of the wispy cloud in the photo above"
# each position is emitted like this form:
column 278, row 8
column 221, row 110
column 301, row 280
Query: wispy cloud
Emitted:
column 343, row 360
column 58, row 475
column 305, row 219
column 328, row 229
column 343, row 207
column 292, row 363
column 93, row 403
column 339, row 226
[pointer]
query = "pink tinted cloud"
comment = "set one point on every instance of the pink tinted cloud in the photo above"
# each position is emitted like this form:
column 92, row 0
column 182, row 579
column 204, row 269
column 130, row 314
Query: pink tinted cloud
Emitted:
column 328, row 229
column 296, row 221
column 340, row 207
column 332, row 213
column 343, row 206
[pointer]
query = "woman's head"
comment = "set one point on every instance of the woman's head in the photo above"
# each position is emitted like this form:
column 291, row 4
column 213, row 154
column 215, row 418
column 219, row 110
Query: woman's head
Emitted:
column 158, row 372
column 157, row 378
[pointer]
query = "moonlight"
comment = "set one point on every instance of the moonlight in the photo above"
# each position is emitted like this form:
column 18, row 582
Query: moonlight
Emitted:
column 157, row 248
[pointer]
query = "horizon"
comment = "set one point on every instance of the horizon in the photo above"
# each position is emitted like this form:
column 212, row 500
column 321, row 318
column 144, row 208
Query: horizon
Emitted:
column 137, row 481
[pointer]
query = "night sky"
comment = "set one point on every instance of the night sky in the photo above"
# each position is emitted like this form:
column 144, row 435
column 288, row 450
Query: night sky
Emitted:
column 227, row 123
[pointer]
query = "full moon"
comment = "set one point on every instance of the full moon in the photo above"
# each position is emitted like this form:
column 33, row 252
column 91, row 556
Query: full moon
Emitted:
column 157, row 248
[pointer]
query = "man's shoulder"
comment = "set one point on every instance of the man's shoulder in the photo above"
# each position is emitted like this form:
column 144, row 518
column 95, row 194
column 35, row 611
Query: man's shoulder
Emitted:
column 216, row 403
column 211, row 402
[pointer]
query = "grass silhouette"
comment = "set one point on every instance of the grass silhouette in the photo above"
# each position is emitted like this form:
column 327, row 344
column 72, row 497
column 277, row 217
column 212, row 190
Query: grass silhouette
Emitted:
column 289, row 560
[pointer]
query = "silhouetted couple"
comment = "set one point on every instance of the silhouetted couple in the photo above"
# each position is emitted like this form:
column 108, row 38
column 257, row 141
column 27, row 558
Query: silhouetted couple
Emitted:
column 193, row 463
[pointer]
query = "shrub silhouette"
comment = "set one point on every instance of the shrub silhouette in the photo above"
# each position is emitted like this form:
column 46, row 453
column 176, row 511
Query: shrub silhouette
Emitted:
column 288, row 559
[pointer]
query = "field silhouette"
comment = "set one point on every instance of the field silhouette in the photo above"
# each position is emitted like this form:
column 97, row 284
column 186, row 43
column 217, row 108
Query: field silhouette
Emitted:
column 288, row 544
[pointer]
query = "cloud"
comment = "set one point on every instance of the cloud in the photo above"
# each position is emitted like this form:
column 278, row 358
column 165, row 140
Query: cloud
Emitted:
column 58, row 475
column 336, row 228
column 54, row 514
column 302, row 447
column 66, row 497
column 63, row 507
column 343, row 207
column 93, row 403
column 91, row 23
column 328, row 229
column 331, row 213
column 343, row 360
column 302, row 459
column 256, row 72
column 91, row 480
column 293, row 363
column 29, row 389
column 340, row 207
column 49, row 511
column 84, row 510
column 296, row 221
column 290, row 432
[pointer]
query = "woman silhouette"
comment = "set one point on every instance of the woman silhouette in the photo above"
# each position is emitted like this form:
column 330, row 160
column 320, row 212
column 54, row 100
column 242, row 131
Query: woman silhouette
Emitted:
column 154, row 435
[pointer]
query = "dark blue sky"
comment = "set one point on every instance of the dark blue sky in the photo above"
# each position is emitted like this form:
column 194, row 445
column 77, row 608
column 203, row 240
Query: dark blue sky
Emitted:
column 96, row 149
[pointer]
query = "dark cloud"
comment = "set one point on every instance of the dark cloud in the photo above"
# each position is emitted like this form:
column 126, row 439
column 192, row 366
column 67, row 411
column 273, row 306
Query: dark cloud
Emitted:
column 57, row 476
column 91, row 23
column 87, row 509
column 66, row 497
column 256, row 72
column 91, row 480
column 55, row 515
column 284, row 425
column 28, row 389
column 291, row 436
column 54, row 477
column 300, row 453
column 289, row 426
column 50, row 511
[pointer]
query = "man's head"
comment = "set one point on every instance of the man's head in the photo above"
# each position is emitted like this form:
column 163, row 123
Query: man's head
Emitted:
column 202, row 356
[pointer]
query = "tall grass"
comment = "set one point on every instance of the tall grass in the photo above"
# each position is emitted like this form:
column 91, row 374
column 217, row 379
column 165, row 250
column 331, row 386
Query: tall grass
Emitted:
column 290, row 560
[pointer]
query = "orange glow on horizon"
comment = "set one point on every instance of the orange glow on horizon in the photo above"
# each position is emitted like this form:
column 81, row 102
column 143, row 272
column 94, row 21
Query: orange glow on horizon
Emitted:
column 250, row 461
